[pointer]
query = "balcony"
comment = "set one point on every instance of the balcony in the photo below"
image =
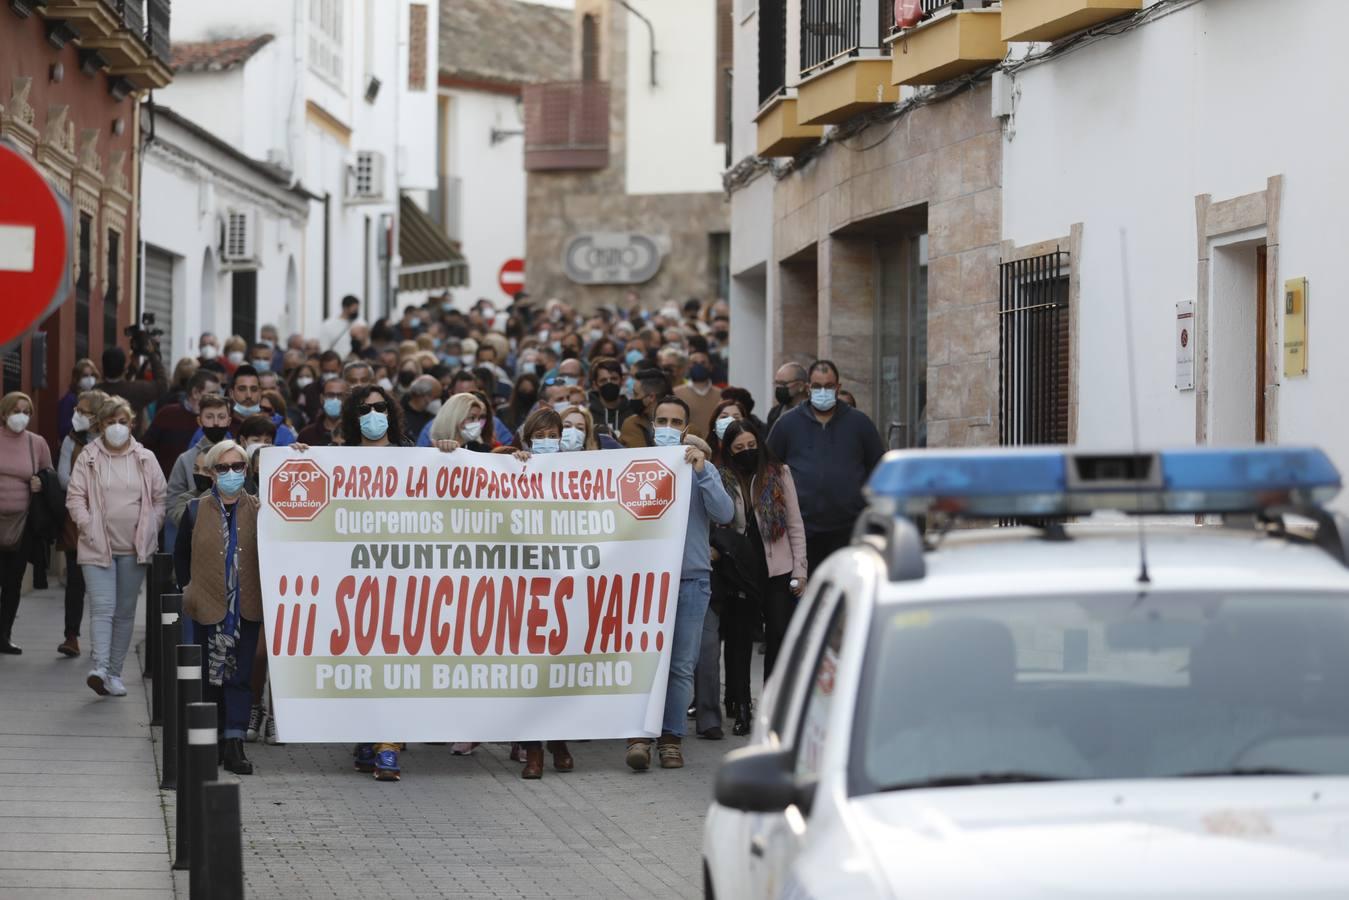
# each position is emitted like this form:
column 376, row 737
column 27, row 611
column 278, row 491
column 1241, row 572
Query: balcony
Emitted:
column 844, row 69
column 1049, row 20
column 566, row 126
column 779, row 130
column 118, row 34
column 949, row 42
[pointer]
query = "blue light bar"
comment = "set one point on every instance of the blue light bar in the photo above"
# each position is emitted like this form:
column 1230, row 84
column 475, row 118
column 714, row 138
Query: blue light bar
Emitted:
column 1045, row 481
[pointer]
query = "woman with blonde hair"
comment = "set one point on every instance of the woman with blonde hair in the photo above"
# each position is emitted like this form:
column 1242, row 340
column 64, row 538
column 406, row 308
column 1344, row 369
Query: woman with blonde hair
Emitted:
column 116, row 499
column 578, row 430
column 83, row 377
column 463, row 419
column 22, row 455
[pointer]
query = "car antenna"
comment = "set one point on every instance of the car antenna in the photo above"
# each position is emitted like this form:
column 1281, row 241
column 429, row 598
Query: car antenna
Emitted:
column 1143, row 577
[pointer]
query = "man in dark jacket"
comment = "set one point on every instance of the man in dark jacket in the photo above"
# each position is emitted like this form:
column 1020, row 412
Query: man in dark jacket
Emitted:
column 170, row 434
column 789, row 390
column 831, row 449
column 140, row 393
column 420, row 405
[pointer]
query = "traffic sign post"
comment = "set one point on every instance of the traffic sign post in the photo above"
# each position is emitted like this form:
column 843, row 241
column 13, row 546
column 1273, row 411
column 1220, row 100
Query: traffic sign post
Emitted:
column 36, row 241
column 512, row 277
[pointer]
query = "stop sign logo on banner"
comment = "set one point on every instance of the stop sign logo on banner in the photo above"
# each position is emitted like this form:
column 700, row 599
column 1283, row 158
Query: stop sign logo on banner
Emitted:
column 35, row 241
column 646, row 489
column 298, row 490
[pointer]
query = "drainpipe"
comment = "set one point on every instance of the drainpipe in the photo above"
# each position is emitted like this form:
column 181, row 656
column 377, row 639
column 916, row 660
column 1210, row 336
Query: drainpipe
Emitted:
column 651, row 30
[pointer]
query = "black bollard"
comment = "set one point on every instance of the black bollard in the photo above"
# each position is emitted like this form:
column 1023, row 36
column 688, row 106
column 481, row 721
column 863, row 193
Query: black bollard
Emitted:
column 160, row 581
column 170, row 631
column 189, row 692
column 203, row 758
column 224, row 865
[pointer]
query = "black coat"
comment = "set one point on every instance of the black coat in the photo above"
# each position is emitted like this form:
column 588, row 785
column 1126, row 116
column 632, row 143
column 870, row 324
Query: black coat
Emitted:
column 737, row 583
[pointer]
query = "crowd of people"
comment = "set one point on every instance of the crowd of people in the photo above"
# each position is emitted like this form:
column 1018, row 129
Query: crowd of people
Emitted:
column 151, row 459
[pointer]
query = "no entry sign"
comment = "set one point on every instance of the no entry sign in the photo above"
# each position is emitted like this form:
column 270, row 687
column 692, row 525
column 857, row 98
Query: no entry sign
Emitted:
column 35, row 246
column 512, row 277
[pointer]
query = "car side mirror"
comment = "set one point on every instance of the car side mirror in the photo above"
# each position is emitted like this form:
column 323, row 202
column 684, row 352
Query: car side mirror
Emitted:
column 760, row 780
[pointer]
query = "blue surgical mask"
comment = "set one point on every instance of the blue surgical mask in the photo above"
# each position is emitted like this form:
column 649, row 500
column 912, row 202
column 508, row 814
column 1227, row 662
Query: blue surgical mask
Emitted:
column 563, row 407
column 332, row 407
column 545, row 445
column 568, row 380
column 823, row 399
column 262, row 365
column 247, row 411
column 634, row 357
column 450, row 360
column 230, row 483
column 573, row 439
column 414, row 322
column 722, row 424
column 668, row 437
column 374, row 425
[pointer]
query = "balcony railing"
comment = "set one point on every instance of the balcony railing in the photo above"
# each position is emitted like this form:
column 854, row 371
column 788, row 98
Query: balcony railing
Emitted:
column 932, row 7
column 566, row 126
column 157, row 29
column 837, row 29
column 131, row 13
column 772, row 49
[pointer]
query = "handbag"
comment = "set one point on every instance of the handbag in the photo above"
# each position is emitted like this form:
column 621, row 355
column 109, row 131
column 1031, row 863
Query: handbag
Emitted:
column 12, row 525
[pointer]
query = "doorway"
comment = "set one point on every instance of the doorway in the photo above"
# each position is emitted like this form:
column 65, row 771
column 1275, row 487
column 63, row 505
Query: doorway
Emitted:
column 901, row 336
column 1238, row 342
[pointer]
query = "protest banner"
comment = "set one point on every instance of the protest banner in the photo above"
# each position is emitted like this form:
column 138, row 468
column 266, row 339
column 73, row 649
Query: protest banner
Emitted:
column 414, row 595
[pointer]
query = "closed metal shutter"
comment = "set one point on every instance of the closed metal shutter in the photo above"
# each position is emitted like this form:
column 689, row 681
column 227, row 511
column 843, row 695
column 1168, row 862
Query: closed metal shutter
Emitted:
column 159, row 293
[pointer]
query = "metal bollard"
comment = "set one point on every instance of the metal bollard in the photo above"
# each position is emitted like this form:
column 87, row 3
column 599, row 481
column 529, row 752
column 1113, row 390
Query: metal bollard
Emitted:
column 170, row 606
column 189, row 692
column 203, row 759
column 224, row 865
column 160, row 581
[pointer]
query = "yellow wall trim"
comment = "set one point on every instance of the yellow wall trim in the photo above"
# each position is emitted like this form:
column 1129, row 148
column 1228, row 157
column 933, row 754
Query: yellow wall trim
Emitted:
column 327, row 122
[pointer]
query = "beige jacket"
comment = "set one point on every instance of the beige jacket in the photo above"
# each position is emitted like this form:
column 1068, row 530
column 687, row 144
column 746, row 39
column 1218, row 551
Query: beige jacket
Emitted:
column 87, row 507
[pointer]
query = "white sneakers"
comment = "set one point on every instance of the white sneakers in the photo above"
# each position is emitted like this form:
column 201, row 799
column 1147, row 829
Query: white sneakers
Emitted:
column 105, row 685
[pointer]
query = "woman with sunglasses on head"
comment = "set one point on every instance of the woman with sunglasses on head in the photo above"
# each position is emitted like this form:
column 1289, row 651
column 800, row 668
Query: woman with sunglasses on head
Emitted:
column 216, row 561
column 541, row 434
column 116, row 499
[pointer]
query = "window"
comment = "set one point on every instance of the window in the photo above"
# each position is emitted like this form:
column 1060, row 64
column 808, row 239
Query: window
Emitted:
column 590, row 48
column 326, row 40
column 725, row 59
column 789, row 659
column 772, row 49
column 113, row 295
column 13, row 370
column 901, row 334
column 417, row 49
column 244, row 307
column 1034, row 337
column 820, row 700
column 84, row 284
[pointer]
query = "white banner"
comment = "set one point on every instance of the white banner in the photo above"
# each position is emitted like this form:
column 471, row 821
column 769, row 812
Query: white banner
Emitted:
column 414, row 595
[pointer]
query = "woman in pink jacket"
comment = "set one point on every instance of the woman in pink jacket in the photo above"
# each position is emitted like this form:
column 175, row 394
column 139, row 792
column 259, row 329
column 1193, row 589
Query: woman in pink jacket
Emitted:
column 116, row 500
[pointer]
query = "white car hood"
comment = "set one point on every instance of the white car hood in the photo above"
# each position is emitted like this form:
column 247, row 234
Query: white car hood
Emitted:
column 1210, row 838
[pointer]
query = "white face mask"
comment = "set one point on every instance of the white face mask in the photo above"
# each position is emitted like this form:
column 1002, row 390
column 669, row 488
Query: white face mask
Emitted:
column 17, row 422
column 573, row 439
column 116, row 435
column 386, row 384
column 209, row 351
column 87, row 383
column 303, row 382
column 434, row 406
column 252, row 449
column 235, row 357
column 471, row 431
column 79, row 421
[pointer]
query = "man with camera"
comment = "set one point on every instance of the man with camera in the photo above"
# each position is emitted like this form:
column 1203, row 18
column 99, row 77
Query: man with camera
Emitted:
column 141, row 380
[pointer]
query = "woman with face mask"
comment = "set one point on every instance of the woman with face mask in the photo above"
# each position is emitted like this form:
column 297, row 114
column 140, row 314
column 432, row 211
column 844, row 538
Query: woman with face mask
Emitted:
column 116, row 499
column 255, row 433
column 578, row 431
column 236, row 349
column 727, row 411
column 523, row 397
column 462, row 420
column 216, row 560
column 22, row 455
column 83, row 429
column 541, row 434
column 83, row 378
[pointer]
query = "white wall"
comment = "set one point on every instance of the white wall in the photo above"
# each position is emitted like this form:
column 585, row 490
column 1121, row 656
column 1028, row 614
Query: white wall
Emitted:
column 492, row 186
column 671, row 128
column 1126, row 132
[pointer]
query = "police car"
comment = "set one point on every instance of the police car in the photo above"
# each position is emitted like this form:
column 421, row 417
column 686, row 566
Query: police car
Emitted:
column 1112, row 702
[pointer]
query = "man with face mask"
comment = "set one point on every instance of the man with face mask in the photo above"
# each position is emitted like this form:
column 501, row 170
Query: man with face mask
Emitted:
column 831, row 449
column 170, row 434
column 606, row 398
column 708, row 503
column 245, row 401
column 789, row 389
column 699, row 393
column 319, row 432
column 420, row 405
column 648, row 386
column 213, row 421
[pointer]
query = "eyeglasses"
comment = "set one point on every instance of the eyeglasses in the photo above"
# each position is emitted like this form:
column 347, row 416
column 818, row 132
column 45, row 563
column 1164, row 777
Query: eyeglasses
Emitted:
column 379, row 407
column 222, row 468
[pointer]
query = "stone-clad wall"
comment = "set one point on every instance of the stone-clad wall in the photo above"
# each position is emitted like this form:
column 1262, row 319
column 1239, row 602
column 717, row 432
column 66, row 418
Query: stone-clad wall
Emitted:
column 943, row 161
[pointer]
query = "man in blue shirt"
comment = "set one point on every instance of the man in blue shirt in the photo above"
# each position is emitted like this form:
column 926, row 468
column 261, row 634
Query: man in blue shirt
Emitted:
column 708, row 502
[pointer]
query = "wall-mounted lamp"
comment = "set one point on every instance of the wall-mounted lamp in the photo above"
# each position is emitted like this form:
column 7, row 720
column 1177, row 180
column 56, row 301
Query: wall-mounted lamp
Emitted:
column 58, row 73
column 119, row 127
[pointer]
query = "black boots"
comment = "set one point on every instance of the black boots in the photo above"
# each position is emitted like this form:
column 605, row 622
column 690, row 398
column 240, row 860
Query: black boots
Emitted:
column 744, row 717
column 232, row 757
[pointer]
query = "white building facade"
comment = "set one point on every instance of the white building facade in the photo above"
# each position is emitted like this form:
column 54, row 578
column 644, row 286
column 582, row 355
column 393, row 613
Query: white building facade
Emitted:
column 342, row 98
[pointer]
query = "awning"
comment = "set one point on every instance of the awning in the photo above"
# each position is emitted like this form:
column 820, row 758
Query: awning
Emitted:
column 431, row 261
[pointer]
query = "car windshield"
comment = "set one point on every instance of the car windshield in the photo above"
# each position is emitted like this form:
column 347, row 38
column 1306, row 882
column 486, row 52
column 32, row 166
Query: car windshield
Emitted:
column 1131, row 686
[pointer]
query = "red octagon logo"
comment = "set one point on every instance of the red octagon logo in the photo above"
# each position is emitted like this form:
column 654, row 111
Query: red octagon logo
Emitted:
column 298, row 491
column 646, row 489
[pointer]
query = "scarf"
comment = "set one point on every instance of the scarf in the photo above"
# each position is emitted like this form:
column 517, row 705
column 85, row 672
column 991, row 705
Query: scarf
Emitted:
column 771, row 504
column 222, row 646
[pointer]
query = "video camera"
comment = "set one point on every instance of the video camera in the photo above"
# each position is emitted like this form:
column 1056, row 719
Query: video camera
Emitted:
column 145, row 336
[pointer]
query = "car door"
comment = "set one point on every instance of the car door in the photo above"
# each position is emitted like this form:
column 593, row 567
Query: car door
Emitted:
column 776, row 839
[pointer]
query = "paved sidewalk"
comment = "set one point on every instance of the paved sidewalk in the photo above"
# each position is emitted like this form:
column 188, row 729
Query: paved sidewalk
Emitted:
column 80, row 814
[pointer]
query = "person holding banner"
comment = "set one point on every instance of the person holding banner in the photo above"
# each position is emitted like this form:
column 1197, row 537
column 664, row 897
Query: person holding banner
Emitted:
column 709, row 504
column 216, row 560
column 463, row 419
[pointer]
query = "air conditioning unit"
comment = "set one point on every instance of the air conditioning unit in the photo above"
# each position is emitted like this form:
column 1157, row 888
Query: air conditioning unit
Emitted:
column 240, row 239
column 365, row 178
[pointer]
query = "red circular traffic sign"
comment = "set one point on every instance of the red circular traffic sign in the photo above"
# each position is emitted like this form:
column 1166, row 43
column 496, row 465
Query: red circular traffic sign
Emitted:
column 34, row 246
column 512, row 277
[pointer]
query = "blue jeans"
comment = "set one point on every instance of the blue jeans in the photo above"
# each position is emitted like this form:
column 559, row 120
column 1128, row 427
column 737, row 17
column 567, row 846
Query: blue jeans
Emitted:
column 694, row 595
column 114, row 592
